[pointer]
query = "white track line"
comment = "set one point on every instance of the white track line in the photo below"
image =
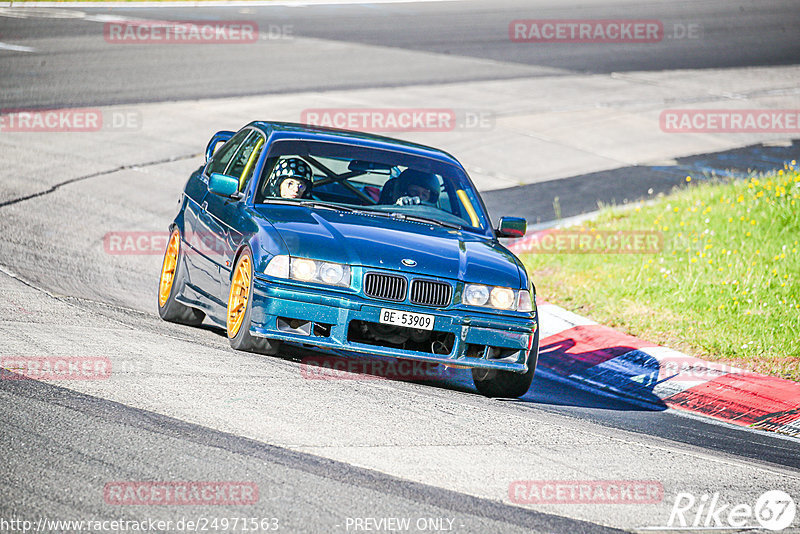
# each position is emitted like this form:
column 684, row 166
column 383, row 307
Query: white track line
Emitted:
column 16, row 48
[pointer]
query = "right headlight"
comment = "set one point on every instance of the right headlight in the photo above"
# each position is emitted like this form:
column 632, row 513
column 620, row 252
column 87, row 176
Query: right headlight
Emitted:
column 500, row 298
column 308, row 270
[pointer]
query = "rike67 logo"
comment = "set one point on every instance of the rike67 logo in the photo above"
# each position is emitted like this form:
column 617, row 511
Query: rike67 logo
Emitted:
column 773, row 510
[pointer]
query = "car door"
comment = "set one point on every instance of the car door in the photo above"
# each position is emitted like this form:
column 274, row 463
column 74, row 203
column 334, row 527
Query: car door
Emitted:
column 200, row 230
column 227, row 217
column 195, row 191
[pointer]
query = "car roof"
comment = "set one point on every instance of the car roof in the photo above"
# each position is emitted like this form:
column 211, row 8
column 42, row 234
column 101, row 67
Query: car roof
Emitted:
column 304, row 131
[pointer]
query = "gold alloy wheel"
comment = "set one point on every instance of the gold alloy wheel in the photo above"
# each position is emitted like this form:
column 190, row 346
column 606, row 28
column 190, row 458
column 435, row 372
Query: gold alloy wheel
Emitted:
column 240, row 293
column 168, row 269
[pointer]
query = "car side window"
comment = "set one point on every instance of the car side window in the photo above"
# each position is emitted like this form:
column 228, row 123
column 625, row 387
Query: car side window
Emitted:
column 243, row 163
column 220, row 160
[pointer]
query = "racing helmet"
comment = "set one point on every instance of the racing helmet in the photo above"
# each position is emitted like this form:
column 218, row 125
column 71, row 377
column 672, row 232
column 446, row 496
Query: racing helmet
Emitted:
column 290, row 168
column 423, row 179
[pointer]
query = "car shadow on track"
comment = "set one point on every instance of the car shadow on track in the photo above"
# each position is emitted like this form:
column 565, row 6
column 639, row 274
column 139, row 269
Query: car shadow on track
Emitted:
column 612, row 378
column 579, row 384
column 213, row 329
column 617, row 376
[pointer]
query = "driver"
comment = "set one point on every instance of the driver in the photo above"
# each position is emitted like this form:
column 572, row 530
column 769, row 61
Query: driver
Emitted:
column 291, row 178
column 417, row 187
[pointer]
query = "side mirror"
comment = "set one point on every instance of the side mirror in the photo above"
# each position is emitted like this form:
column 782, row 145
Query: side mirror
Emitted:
column 512, row 227
column 217, row 138
column 224, row 185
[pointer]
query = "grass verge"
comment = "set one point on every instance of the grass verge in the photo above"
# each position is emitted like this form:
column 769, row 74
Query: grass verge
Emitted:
column 723, row 286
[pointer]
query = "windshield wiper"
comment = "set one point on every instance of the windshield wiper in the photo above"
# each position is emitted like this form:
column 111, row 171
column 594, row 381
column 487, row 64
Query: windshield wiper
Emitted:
column 418, row 218
column 309, row 203
column 318, row 204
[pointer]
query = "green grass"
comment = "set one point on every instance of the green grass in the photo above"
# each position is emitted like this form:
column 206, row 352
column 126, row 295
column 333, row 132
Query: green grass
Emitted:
column 724, row 287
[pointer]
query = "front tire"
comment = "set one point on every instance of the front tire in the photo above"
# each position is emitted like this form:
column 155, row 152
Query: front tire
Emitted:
column 239, row 308
column 507, row 384
column 170, row 309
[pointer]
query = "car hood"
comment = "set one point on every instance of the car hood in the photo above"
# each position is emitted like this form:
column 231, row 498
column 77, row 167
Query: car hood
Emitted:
column 383, row 243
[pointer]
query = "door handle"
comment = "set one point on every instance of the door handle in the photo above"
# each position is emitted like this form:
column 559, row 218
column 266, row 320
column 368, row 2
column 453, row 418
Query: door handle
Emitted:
column 204, row 205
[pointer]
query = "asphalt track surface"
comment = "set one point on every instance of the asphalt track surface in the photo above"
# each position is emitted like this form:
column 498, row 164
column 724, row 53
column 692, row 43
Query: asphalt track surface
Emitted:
column 82, row 70
column 189, row 408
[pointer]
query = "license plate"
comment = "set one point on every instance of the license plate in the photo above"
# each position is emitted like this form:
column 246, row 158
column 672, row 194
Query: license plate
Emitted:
column 407, row 319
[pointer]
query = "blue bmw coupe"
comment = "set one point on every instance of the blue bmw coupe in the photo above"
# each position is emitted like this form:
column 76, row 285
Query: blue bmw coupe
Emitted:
column 352, row 242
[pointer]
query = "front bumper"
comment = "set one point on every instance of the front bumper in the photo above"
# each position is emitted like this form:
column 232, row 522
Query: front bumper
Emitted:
column 273, row 303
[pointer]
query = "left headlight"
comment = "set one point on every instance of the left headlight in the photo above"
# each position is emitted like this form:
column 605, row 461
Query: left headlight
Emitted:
column 500, row 298
column 308, row 270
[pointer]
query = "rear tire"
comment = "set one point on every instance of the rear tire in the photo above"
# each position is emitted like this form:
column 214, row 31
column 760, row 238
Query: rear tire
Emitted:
column 508, row 384
column 171, row 279
column 240, row 305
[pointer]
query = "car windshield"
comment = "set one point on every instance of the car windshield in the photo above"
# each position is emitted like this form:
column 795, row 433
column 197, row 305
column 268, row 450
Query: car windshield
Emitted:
column 360, row 178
